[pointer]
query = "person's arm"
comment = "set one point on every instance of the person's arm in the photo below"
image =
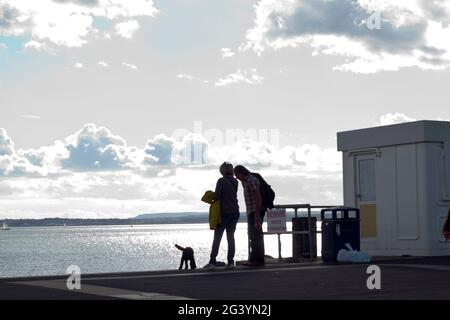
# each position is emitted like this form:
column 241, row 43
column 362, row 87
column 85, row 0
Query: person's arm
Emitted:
column 219, row 189
column 179, row 247
column 258, row 200
column 258, row 222
column 258, row 203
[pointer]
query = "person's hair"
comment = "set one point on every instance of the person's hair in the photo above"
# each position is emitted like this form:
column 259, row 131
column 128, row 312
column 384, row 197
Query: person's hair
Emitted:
column 226, row 169
column 241, row 170
column 447, row 222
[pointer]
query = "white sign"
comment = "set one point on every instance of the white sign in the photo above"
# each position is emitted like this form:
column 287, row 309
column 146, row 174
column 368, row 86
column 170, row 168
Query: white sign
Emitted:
column 276, row 220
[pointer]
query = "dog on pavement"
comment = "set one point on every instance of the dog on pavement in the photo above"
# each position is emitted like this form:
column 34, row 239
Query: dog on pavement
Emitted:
column 186, row 256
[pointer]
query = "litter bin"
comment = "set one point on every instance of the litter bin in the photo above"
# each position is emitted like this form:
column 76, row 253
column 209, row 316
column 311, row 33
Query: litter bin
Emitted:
column 300, row 242
column 340, row 225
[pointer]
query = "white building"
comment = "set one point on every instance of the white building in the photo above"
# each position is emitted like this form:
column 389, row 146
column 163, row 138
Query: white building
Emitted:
column 399, row 177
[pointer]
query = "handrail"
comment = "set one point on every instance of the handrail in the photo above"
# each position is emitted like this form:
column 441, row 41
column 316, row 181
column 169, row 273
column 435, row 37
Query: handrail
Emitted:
column 309, row 232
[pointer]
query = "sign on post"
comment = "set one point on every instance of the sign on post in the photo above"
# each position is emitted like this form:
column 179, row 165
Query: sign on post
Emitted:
column 276, row 221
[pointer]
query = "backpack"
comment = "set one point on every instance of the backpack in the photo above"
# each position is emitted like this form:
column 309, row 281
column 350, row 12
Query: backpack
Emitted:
column 267, row 193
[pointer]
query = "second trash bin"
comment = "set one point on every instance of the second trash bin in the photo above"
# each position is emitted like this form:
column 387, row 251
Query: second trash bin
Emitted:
column 340, row 225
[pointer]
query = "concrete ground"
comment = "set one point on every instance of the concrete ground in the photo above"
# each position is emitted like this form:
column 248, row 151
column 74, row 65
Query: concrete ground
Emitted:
column 406, row 278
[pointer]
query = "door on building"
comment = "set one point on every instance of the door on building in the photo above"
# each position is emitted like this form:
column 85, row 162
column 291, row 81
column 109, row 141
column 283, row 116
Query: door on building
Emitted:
column 366, row 194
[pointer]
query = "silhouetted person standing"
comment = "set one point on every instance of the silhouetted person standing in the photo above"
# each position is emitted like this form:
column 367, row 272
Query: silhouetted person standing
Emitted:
column 255, row 214
column 226, row 193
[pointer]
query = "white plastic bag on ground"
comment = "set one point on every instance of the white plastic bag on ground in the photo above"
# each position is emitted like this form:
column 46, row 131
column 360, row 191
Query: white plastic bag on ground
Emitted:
column 351, row 255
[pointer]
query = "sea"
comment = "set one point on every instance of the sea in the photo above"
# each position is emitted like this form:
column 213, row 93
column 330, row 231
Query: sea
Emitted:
column 37, row 251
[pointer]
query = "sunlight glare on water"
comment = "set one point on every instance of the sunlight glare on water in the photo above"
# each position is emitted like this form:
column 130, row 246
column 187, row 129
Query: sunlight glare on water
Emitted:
column 50, row 250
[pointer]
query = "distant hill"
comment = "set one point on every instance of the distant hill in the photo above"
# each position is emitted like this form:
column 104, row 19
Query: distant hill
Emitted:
column 169, row 215
column 145, row 218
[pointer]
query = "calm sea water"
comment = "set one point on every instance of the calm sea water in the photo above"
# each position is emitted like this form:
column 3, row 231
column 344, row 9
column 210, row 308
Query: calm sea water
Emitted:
column 50, row 250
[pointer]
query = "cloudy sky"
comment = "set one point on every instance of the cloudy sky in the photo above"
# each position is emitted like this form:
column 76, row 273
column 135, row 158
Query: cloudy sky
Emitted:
column 111, row 108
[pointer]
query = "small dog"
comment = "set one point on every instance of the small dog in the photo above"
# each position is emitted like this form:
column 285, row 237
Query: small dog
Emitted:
column 188, row 255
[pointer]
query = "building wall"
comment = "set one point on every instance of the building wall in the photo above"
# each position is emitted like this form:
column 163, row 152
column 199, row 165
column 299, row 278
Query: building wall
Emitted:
column 410, row 203
column 438, row 156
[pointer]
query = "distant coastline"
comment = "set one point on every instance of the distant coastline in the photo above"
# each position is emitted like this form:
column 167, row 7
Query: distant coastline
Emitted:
column 147, row 218
column 157, row 218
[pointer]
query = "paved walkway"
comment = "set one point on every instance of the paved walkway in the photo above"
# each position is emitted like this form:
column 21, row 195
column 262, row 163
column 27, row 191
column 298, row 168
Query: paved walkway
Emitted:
column 409, row 278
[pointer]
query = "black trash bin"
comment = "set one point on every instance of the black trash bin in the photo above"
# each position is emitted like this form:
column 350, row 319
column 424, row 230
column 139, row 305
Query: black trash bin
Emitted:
column 300, row 242
column 340, row 225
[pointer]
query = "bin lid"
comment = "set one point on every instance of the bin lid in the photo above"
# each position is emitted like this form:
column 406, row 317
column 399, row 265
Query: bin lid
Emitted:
column 340, row 208
column 342, row 217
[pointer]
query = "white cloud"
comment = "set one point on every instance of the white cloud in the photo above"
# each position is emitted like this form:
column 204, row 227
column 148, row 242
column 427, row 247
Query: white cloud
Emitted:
column 13, row 22
column 159, row 150
column 68, row 23
column 191, row 78
column 94, row 173
column 90, row 149
column 118, row 194
column 129, row 65
column 227, row 53
column 47, row 158
column 246, row 152
column 12, row 164
column 393, row 118
column 68, row 30
column 38, row 46
column 197, row 149
column 96, row 148
column 6, row 144
column 240, row 76
column 191, row 149
column 3, row 46
column 410, row 33
column 78, row 65
column 30, row 116
column 309, row 158
column 127, row 29
column 103, row 64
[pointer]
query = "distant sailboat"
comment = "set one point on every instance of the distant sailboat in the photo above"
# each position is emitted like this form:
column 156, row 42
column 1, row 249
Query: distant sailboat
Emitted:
column 5, row 226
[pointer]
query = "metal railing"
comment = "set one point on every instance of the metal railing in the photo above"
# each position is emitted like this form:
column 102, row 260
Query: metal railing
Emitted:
column 296, row 207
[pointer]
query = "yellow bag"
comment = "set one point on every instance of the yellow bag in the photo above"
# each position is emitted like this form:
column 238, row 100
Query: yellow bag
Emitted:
column 214, row 209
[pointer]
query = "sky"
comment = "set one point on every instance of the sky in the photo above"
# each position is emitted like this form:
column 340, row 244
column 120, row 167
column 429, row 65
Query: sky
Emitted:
column 113, row 108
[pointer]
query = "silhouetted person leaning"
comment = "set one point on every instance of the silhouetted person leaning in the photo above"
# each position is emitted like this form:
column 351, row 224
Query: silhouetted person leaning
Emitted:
column 255, row 214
